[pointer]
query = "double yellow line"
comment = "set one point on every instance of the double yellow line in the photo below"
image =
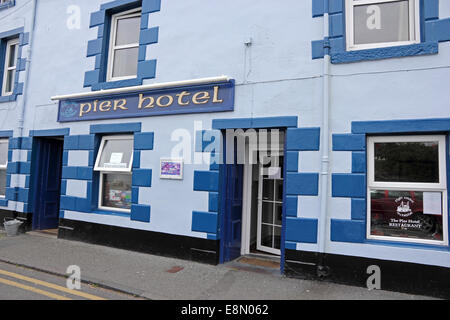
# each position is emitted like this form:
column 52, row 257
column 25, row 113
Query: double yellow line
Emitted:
column 44, row 284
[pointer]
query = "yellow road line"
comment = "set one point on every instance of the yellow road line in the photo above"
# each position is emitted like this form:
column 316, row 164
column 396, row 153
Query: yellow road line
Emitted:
column 50, row 285
column 32, row 289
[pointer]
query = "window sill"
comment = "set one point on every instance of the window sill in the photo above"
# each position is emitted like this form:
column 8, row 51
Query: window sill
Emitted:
column 8, row 98
column 419, row 49
column 117, row 84
column 410, row 245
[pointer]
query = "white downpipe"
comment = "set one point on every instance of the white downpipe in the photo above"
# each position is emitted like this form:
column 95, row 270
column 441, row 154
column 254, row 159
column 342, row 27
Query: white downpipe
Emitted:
column 143, row 87
column 324, row 173
column 21, row 119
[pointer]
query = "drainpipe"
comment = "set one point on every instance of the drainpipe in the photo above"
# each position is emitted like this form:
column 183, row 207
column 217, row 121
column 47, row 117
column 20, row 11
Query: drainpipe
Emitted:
column 322, row 270
column 21, row 119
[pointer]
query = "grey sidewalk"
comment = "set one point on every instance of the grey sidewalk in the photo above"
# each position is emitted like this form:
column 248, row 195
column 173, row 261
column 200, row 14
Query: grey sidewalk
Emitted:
column 146, row 275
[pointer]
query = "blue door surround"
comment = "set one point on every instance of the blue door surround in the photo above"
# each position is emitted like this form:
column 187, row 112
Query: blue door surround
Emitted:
column 228, row 245
column 295, row 229
column 47, row 170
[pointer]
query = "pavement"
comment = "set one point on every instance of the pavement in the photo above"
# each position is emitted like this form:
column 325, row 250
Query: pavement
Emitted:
column 161, row 278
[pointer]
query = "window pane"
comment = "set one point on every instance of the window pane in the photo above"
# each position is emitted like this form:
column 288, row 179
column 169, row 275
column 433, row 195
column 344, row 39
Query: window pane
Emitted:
column 407, row 162
column 12, row 55
column 3, row 152
column 267, row 212
column 2, row 182
column 116, row 153
column 116, row 191
column 125, row 62
column 268, row 189
column 407, row 214
column 382, row 22
column 9, row 80
column 128, row 31
column 266, row 235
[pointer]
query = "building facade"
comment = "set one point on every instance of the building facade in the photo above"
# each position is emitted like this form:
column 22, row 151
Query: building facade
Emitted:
column 316, row 131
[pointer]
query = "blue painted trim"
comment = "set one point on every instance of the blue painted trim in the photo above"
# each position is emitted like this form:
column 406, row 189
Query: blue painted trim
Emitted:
column 302, row 230
column 213, row 202
column 358, row 209
column 140, row 212
column 50, row 132
column 359, row 162
column 349, row 142
column 143, row 140
column 348, row 185
column 206, row 181
column 348, row 231
column 433, row 30
column 204, row 222
column 110, row 213
column 303, row 139
column 291, row 203
column 304, row 184
column 6, row 133
column 142, row 178
column 77, row 173
column 401, row 126
column 98, row 48
column 248, row 123
column 116, row 128
column 136, row 159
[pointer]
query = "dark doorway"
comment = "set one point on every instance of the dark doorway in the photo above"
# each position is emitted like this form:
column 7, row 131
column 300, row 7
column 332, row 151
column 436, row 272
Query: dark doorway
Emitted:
column 47, row 182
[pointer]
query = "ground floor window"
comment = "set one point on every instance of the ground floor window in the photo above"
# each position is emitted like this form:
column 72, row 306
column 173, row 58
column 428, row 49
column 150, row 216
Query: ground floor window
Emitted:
column 407, row 189
column 114, row 163
column 3, row 165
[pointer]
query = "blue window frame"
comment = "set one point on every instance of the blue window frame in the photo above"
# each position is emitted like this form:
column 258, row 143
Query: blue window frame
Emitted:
column 102, row 48
column 429, row 30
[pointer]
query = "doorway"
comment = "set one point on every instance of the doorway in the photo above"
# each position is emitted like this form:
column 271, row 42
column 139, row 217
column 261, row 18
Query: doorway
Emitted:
column 254, row 190
column 48, row 153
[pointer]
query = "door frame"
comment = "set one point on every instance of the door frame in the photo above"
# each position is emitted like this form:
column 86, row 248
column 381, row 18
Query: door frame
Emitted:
column 36, row 176
column 245, row 234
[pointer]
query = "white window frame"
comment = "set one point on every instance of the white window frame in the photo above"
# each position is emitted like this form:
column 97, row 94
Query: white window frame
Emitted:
column 102, row 170
column 112, row 46
column 414, row 25
column 4, row 166
column 9, row 44
column 407, row 186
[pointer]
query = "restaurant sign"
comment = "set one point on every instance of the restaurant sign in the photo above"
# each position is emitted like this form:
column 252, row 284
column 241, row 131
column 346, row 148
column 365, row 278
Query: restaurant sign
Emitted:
column 213, row 97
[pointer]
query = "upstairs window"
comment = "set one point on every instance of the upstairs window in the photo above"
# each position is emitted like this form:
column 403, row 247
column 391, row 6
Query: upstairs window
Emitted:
column 114, row 163
column 381, row 23
column 124, row 45
column 12, row 49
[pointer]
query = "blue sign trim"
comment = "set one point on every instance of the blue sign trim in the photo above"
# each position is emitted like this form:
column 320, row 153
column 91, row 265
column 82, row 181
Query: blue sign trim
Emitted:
column 211, row 97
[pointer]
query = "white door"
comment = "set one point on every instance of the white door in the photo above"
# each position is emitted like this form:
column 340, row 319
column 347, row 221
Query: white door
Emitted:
column 270, row 205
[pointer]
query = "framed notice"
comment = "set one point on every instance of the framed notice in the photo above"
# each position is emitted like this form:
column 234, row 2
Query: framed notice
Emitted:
column 171, row 169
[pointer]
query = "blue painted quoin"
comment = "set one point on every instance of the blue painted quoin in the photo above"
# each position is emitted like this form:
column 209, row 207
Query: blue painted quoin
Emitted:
column 98, row 48
column 295, row 229
column 354, row 185
column 433, row 31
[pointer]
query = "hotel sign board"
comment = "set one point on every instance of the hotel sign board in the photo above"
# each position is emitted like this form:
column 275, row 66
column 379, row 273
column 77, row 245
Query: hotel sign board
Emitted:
column 212, row 97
